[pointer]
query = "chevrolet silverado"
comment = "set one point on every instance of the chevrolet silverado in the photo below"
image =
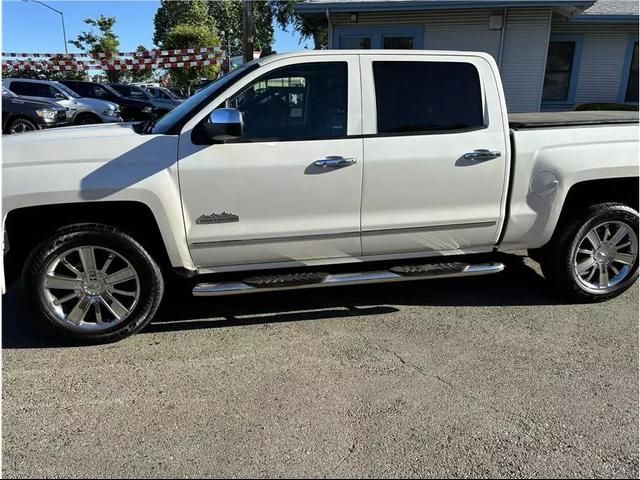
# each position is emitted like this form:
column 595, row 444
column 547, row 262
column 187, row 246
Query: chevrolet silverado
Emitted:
column 318, row 169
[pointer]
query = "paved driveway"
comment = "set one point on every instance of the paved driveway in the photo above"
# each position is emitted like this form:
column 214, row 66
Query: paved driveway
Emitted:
column 490, row 376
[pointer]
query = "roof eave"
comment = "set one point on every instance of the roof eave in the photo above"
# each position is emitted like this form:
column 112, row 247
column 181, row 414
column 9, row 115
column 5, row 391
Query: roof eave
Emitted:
column 375, row 6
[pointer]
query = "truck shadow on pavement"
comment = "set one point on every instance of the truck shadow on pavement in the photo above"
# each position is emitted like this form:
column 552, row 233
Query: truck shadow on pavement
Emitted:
column 518, row 285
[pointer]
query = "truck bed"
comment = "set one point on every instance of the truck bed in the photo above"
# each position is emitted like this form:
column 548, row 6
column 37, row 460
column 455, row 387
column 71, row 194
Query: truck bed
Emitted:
column 520, row 121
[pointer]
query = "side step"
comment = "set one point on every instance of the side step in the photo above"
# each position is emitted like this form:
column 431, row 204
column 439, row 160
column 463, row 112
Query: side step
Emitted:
column 291, row 281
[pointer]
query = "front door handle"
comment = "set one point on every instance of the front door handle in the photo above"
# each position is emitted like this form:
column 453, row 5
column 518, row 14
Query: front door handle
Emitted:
column 482, row 154
column 334, row 162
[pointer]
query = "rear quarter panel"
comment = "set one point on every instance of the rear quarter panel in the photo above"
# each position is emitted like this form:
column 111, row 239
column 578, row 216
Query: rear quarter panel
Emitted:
column 571, row 155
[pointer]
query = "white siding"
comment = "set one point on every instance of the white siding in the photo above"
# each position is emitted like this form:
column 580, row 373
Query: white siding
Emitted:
column 524, row 51
column 602, row 63
column 524, row 58
column 467, row 30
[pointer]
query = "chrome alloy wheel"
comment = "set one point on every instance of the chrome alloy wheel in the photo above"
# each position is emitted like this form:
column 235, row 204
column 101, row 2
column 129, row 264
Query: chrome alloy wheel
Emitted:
column 90, row 288
column 605, row 256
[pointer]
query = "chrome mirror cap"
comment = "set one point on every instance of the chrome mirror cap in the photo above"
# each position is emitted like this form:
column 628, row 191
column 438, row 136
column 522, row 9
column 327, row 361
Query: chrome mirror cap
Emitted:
column 225, row 116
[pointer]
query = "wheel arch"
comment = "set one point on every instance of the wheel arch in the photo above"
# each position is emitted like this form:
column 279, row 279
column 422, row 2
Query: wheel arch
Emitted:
column 25, row 227
column 622, row 189
column 589, row 192
column 83, row 114
column 15, row 116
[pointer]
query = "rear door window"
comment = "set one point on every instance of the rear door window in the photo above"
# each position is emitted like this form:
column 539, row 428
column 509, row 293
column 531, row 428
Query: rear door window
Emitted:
column 429, row 97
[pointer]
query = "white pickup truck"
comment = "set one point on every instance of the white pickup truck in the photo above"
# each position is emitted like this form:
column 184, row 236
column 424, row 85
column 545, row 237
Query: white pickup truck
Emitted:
column 317, row 169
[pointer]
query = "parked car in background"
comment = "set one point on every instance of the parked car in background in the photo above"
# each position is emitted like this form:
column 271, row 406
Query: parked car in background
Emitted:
column 162, row 105
column 80, row 110
column 22, row 115
column 130, row 109
column 178, row 92
column 164, row 93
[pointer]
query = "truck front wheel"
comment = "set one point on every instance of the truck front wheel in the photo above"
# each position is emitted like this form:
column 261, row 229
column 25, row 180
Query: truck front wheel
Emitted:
column 93, row 282
column 595, row 257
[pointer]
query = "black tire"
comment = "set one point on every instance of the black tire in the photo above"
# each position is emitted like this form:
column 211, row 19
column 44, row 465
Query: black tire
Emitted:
column 557, row 258
column 21, row 125
column 87, row 119
column 151, row 284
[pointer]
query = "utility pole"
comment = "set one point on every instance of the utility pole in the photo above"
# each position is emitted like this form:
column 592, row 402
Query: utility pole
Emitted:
column 248, row 30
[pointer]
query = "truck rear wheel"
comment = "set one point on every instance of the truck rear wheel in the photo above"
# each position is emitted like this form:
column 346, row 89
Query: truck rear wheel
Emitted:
column 93, row 283
column 596, row 257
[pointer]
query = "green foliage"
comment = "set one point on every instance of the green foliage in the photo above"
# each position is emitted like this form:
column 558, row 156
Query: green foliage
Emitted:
column 175, row 12
column 286, row 16
column 102, row 41
column 191, row 36
column 226, row 16
column 607, row 106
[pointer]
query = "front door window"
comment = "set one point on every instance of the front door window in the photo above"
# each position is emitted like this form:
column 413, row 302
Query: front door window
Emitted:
column 302, row 101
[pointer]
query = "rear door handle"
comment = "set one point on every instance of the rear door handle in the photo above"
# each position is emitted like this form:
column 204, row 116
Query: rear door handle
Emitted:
column 334, row 162
column 482, row 154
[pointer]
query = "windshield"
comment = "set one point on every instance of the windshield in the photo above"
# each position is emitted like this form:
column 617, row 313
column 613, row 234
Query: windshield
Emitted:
column 172, row 122
column 67, row 90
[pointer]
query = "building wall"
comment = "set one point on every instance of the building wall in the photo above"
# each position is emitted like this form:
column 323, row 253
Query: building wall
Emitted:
column 524, row 49
column 524, row 58
column 602, row 66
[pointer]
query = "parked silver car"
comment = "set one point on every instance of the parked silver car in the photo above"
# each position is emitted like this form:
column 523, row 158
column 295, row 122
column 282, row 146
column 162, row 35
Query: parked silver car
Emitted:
column 80, row 110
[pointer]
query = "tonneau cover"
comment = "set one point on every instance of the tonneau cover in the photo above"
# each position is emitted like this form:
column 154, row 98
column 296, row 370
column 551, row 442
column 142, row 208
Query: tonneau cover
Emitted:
column 566, row 119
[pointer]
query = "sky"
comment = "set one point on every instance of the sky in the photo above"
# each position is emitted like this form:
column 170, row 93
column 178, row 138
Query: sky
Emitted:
column 28, row 27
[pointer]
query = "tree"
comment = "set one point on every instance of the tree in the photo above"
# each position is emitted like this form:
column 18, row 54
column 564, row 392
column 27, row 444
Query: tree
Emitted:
column 223, row 16
column 227, row 16
column 190, row 36
column 174, row 12
column 248, row 30
column 285, row 14
column 105, row 41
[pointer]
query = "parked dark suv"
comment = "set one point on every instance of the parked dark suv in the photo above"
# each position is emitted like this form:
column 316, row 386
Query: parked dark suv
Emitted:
column 130, row 109
column 22, row 115
column 162, row 105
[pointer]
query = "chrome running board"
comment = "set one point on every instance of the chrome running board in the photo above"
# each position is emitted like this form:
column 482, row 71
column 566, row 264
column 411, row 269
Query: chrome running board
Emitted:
column 330, row 280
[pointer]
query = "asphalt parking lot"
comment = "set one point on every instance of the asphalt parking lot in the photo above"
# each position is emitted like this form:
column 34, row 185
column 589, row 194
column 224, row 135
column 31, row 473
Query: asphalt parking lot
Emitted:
column 490, row 376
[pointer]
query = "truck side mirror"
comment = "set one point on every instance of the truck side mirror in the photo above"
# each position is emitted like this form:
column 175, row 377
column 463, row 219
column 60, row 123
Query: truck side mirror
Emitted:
column 223, row 124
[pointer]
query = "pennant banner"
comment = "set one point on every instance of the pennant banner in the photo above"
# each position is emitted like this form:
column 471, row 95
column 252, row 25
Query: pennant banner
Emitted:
column 184, row 58
column 147, row 53
column 25, row 65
